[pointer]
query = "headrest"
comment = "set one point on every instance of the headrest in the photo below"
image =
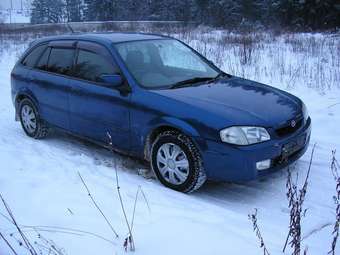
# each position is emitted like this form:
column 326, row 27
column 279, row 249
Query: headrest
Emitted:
column 135, row 59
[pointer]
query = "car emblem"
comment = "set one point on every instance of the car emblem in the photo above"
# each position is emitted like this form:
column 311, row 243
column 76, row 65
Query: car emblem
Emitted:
column 293, row 123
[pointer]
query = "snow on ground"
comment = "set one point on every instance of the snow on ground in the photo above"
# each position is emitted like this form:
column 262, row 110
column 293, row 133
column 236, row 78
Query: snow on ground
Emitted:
column 39, row 179
column 14, row 16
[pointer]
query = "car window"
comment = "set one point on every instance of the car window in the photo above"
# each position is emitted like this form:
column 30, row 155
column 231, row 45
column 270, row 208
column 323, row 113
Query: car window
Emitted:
column 42, row 63
column 60, row 61
column 184, row 58
column 163, row 63
column 125, row 52
column 90, row 66
column 31, row 59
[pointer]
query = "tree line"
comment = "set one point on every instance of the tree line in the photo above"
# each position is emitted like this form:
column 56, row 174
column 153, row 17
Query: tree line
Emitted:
column 294, row 14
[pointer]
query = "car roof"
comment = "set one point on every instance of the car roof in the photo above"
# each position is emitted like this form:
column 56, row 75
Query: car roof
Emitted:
column 104, row 37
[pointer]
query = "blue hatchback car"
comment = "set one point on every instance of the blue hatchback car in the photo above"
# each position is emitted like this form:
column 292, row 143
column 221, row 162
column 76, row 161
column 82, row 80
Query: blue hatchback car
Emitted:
column 161, row 101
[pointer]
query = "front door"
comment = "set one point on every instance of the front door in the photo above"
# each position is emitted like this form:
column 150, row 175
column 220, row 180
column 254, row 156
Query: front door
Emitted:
column 96, row 109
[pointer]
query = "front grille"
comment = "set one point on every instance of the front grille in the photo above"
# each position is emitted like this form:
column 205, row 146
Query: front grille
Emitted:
column 288, row 129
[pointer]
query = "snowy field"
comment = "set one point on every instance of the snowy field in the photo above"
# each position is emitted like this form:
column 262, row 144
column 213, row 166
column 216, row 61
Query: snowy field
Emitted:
column 40, row 182
column 14, row 16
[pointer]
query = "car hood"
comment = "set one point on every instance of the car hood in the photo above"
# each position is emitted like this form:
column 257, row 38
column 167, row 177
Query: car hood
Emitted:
column 239, row 102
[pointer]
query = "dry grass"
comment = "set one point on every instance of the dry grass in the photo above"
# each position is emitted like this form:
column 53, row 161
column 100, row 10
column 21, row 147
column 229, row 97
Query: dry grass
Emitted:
column 286, row 60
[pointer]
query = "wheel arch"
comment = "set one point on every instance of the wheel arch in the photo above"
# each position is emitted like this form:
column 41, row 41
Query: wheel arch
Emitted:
column 167, row 124
column 21, row 95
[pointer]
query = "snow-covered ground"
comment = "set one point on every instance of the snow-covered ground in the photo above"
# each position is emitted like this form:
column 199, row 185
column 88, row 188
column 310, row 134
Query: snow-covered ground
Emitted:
column 14, row 16
column 39, row 178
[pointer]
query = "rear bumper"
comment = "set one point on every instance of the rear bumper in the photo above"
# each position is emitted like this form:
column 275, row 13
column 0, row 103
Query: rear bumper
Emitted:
column 225, row 162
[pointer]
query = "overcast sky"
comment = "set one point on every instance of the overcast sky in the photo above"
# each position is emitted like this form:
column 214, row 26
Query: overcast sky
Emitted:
column 5, row 4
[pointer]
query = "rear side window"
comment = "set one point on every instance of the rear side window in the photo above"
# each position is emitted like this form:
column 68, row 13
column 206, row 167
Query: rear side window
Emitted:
column 31, row 59
column 60, row 61
column 42, row 63
column 90, row 66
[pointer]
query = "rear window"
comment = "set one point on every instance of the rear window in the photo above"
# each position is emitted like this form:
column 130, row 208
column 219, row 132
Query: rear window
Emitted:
column 31, row 59
column 60, row 61
column 91, row 66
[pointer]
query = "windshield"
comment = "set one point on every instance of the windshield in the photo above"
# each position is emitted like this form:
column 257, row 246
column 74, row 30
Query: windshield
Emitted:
column 164, row 63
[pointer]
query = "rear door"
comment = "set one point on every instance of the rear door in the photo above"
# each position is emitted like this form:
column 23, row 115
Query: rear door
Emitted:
column 19, row 75
column 50, row 79
column 96, row 109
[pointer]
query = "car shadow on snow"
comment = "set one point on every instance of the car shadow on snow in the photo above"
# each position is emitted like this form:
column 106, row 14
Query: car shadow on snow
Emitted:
column 219, row 193
column 253, row 193
column 75, row 146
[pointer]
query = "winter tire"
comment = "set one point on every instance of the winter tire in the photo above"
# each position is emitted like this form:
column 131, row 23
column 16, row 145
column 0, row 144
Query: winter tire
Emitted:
column 177, row 162
column 30, row 120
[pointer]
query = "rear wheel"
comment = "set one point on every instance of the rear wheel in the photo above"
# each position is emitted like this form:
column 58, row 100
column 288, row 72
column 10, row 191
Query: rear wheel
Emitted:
column 177, row 162
column 30, row 121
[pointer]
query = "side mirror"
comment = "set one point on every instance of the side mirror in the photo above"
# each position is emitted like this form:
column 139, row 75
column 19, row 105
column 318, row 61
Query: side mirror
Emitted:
column 112, row 80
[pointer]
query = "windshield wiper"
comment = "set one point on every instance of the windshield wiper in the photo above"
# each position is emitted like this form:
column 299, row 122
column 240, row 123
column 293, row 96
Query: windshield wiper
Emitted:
column 191, row 81
column 221, row 75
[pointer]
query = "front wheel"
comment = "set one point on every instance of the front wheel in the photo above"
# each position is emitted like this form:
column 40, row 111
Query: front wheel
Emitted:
column 177, row 162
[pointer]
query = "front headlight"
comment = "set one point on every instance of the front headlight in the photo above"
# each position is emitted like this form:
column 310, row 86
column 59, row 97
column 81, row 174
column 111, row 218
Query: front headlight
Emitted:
column 242, row 135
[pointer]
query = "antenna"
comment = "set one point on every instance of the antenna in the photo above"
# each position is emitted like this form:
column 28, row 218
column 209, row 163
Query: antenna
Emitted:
column 69, row 27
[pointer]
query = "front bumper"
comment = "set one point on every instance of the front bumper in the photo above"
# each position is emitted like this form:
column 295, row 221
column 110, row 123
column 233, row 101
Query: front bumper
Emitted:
column 225, row 162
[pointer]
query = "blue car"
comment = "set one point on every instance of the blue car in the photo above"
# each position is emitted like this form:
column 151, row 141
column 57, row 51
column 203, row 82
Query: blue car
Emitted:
column 161, row 101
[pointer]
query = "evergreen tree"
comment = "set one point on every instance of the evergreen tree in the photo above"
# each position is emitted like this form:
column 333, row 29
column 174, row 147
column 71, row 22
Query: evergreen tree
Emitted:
column 202, row 6
column 100, row 10
column 311, row 14
column 250, row 10
column 74, row 10
column 155, row 9
column 182, row 10
column 38, row 14
column 55, row 11
column 295, row 14
column 320, row 14
column 134, row 10
column 47, row 11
